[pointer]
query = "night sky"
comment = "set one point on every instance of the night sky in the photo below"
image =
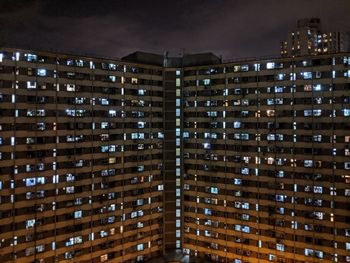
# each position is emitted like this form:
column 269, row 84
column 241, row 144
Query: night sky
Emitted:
column 115, row 28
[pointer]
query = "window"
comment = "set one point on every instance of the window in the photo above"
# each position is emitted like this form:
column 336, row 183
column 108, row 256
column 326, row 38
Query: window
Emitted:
column 280, row 76
column 112, row 113
column 139, row 247
column 318, row 189
column 237, row 181
column 245, row 136
column 270, row 65
column 112, row 78
column 245, row 206
column 30, row 57
column 78, row 214
column 246, row 229
column 70, row 87
column 280, row 247
column 308, row 252
column 237, row 91
column 307, row 88
column 31, row 85
column 245, row 68
column 270, row 101
column 79, row 63
column 74, row 240
column 347, row 165
column 280, row 198
column 237, row 124
column 317, row 87
column 270, row 113
column 104, row 101
column 306, row 75
column 214, row 190
column 207, row 211
column 30, row 223
column 271, row 137
column 104, row 125
column 245, row 170
column 104, row 257
column 206, row 82
column 279, row 89
column 317, row 138
column 41, row 72
column 35, row 181
column 308, row 163
column 236, row 68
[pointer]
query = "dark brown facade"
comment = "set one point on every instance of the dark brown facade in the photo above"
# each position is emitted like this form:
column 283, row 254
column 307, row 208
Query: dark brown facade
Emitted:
column 127, row 160
column 267, row 161
column 81, row 159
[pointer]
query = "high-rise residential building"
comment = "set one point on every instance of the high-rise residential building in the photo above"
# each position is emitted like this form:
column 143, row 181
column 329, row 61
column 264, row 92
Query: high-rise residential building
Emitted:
column 125, row 160
column 266, row 160
column 309, row 39
column 80, row 159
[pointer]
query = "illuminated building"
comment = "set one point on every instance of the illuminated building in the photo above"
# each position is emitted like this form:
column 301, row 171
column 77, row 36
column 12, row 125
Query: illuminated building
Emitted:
column 266, row 160
column 126, row 160
column 81, row 157
column 309, row 39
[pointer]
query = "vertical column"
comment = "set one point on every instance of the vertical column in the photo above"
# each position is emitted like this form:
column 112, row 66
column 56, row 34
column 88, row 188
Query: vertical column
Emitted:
column 179, row 161
column 169, row 163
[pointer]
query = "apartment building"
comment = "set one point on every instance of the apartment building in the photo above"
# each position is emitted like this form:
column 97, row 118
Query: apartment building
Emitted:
column 80, row 159
column 310, row 39
column 266, row 160
column 125, row 160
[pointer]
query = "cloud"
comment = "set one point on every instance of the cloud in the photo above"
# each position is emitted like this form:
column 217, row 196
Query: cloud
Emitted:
column 234, row 29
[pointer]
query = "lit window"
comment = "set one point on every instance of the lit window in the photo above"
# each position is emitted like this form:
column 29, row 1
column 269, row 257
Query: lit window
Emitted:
column 245, row 68
column 134, row 80
column 245, row 170
column 347, row 165
column 112, row 78
column 78, row 214
column 139, row 247
column 41, row 72
column 30, row 57
column 214, row 190
column 112, row 113
column 280, row 76
column 207, row 211
column 270, row 113
column 206, row 82
column 270, row 65
column 245, row 206
column 79, row 63
column 104, row 257
column 70, row 87
column 346, row 112
column 30, row 223
column 104, row 101
column 306, row 75
column 308, row 163
column 237, row 181
column 280, row 247
column 31, row 85
column 246, row 229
